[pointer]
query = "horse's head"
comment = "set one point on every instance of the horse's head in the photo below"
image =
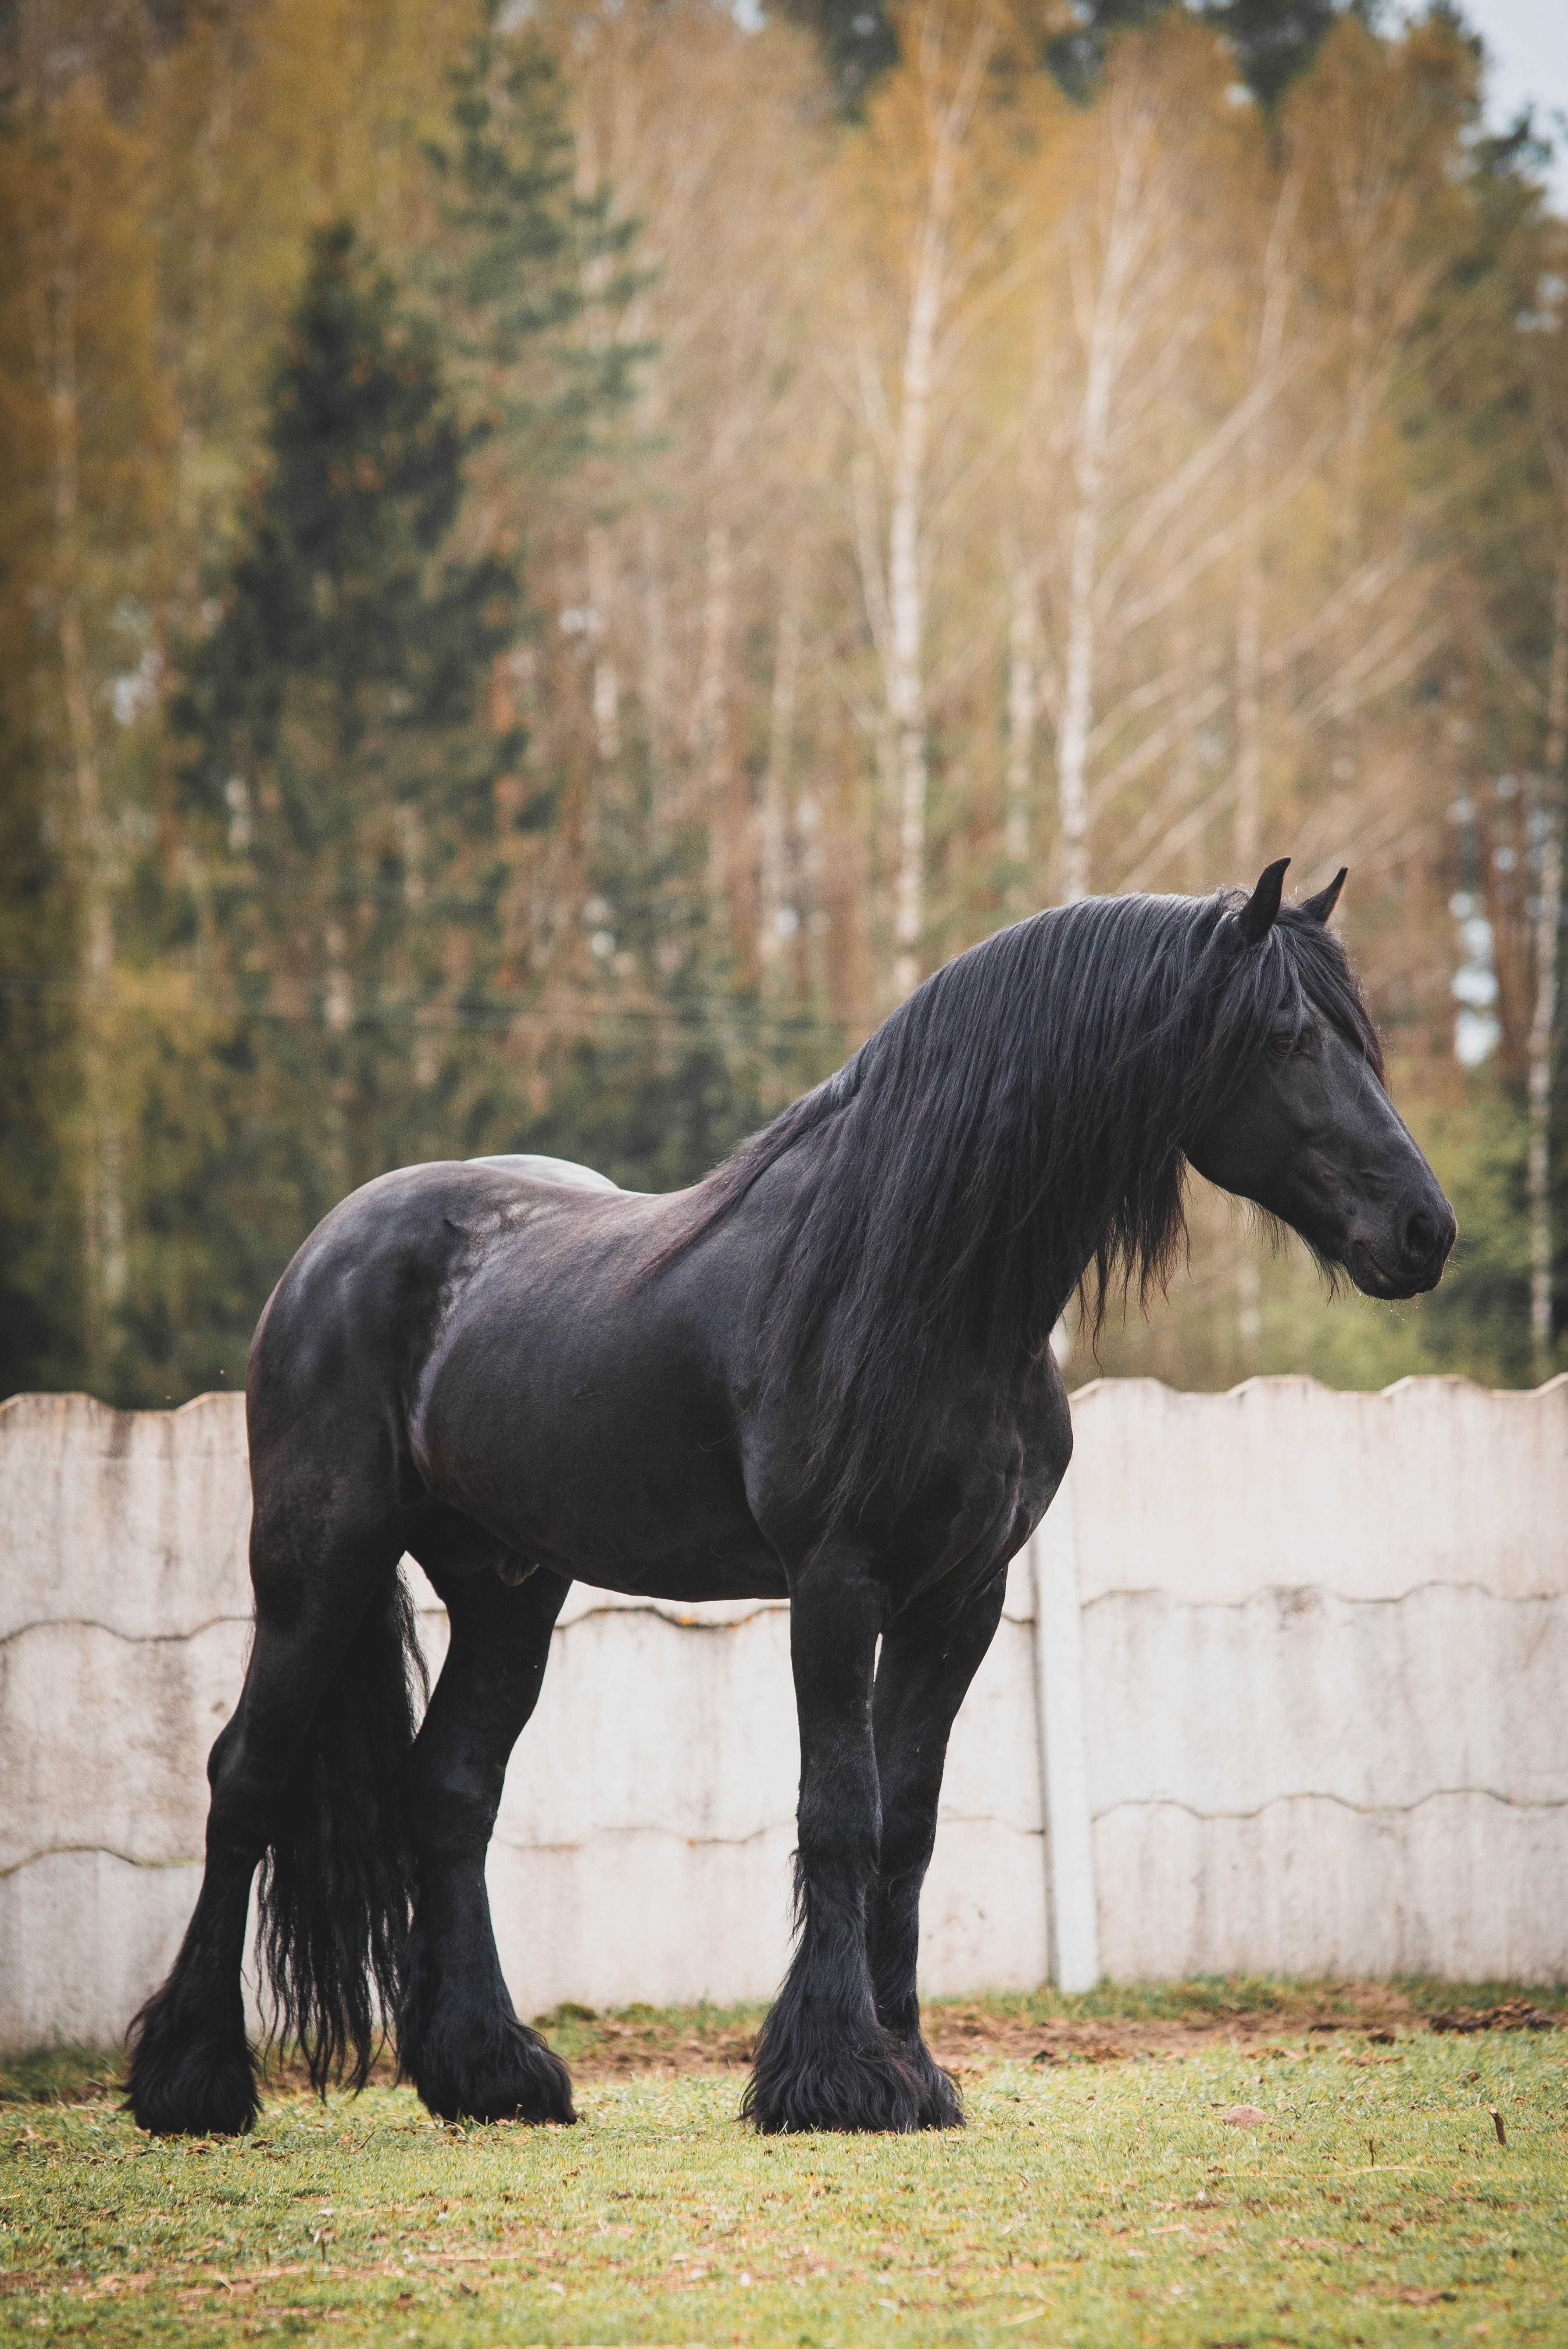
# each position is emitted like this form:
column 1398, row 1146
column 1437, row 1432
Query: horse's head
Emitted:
column 1310, row 1134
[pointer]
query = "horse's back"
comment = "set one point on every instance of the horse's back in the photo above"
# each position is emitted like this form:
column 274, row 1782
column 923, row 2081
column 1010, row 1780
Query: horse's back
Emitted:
column 537, row 1168
column 356, row 1313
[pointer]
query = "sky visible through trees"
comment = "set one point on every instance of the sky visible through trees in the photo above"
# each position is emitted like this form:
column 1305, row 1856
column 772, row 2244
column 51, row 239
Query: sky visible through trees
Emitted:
column 553, row 562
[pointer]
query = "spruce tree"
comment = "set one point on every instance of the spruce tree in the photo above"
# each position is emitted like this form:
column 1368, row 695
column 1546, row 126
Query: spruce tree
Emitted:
column 528, row 274
column 661, row 1072
column 1273, row 40
column 338, row 756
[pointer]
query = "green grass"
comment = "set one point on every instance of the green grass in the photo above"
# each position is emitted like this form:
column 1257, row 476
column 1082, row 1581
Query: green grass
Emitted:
column 688, row 2036
column 1085, row 2203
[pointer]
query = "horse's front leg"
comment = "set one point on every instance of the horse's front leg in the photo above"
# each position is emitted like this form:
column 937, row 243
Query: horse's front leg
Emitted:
column 930, row 1654
column 824, row 2060
column 458, row 2039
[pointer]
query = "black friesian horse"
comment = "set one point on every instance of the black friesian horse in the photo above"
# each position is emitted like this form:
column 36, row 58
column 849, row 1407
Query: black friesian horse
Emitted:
column 823, row 1372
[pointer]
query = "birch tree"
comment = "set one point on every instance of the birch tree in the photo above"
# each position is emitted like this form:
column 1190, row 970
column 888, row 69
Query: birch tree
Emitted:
column 911, row 316
column 1160, row 417
column 1550, row 388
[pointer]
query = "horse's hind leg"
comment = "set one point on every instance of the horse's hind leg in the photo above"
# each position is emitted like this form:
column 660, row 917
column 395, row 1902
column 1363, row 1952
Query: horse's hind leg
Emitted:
column 929, row 1656
column 459, row 2040
column 192, row 2069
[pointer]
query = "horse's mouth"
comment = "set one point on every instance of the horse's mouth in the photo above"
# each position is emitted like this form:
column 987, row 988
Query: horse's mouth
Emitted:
column 1371, row 1277
column 1373, row 1280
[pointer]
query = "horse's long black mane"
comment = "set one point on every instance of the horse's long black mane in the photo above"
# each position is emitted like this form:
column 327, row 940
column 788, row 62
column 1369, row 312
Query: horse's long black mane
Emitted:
column 1014, row 1130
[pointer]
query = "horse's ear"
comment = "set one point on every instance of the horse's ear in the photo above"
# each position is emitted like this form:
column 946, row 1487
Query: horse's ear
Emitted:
column 1320, row 908
column 1257, row 917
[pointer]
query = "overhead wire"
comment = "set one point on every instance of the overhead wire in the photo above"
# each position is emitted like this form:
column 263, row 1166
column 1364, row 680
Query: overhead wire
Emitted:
column 715, row 1015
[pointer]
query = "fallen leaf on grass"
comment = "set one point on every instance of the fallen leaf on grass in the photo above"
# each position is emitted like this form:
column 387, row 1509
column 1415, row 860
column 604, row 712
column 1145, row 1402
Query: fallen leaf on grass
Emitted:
column 1413, row 2295
column 1513, row 2014
column 1081, row 2051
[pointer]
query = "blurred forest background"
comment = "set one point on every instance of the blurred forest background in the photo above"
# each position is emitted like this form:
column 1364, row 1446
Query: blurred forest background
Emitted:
column 552, row 561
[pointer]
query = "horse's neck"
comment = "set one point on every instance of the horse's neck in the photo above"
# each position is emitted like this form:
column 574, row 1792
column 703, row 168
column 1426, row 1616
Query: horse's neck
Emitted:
column 769, row 1212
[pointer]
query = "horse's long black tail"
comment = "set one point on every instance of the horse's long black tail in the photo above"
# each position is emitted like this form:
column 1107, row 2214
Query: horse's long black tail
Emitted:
column 337, row 1882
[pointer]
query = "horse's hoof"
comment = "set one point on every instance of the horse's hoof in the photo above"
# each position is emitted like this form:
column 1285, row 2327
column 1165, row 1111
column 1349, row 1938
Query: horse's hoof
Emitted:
column 518, row 2079
column 873, row 2086
column 941, row 2106
column 196, row 2082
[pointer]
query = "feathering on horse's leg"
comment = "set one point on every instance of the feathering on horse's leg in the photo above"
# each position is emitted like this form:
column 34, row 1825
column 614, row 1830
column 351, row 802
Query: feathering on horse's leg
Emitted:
column 192, row 2069
column 460, row 2040
column 929, row 1656
column 823, row 2060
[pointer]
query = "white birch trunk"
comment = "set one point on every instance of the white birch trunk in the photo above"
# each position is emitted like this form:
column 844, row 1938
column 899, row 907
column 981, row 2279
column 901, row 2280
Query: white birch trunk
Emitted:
column 1077, row 687
column 1543, row 1020
column 52, row 310
column 1249, row 717
column 898, row 592
column 1103, row 352
column 771, row 935
column 906, row 616
column 656, row 667
column 711, row 732
column 607, row 682
column 1250, row 601
column 337, row 1012
column 1249, row 693
column 1023, row 711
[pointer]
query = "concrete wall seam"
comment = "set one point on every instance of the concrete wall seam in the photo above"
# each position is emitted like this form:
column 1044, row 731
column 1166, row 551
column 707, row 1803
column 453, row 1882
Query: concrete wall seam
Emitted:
column 1324, row 1795
column 113, row 1631
column 1319, row 1590
column 64, row 1850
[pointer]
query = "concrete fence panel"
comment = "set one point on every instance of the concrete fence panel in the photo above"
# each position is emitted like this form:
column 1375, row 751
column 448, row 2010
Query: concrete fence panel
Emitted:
column 1281, row 1683
column 1325, row 1676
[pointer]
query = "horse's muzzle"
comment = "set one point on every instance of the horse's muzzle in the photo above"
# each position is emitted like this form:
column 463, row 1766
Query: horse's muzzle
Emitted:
column 1423, row 1237
column 1428, row 1237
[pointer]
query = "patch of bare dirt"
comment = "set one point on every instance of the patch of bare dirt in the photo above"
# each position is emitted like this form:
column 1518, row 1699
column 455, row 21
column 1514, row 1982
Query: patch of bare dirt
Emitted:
column 629, row 2043
column 965, row 2037
column 969, row 2037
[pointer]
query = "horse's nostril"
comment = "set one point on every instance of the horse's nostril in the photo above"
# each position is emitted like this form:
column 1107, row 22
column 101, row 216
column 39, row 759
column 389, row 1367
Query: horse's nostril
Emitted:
column 1423, row 1238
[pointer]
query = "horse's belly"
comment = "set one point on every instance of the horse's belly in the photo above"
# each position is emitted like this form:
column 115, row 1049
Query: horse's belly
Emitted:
column 597, row 1448
column 663, row 1538
column 689, row 1581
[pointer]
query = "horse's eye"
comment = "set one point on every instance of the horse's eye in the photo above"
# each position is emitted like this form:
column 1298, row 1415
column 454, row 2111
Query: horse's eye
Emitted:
column 1282, row 1046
